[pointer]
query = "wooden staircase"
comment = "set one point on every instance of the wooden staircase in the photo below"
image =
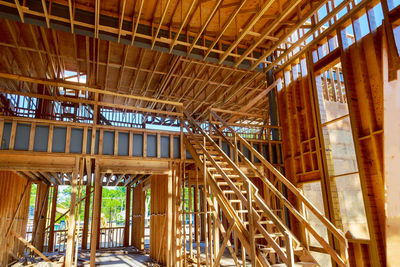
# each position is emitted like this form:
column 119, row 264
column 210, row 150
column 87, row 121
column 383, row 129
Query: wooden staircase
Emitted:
column 265, row 238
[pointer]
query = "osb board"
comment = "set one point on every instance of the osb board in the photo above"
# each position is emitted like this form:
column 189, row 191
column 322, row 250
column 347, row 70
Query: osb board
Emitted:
column 12, row 187
column 363, row 68
column 159, row 233
column 138, row 214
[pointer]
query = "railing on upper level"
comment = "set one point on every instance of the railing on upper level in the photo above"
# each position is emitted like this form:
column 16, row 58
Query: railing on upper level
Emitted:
column 76, row 102
column 340, row 258
column 248, row 126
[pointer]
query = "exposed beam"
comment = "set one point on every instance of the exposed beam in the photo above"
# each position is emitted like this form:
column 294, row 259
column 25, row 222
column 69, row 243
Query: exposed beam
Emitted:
column 183, row 24
column 46, row 15
column 71, row 15
column 232, row 17
column 288, row 34
column 267, row 4
column 20, row 12
column 268, row 29
column 160, row 23
column 136, row 24
column 76, row 86
column 254, row 100
column 121, row 19
column 210, row 16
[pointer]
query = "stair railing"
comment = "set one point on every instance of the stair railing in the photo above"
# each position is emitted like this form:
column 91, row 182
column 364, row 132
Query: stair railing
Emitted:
column 288, row 256
column 342, row 258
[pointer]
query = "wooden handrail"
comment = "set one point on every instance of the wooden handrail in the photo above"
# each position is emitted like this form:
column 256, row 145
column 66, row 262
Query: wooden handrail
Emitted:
column 336, row 232
column 288, row 184
column 239, row 228
column 246, row 180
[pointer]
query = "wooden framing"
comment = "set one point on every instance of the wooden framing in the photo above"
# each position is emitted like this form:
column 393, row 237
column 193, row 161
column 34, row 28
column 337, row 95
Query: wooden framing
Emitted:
column 79, row 93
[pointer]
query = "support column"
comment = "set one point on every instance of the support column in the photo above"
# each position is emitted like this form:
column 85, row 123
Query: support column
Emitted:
column 40, row 216
column 127, row 216
column 85, row 231
column 273, row 106
column 52, row 218
column 96, row 215
column 99, row 219
column 202, row 217
column 169, row 218
column 71, row 221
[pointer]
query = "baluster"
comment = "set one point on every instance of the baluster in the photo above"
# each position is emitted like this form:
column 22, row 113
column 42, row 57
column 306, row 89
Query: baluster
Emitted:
column 289, row 249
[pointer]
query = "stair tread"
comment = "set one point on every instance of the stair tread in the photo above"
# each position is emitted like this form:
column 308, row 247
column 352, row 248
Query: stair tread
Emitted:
column 233, row 192
column 261, row 222
column 299, row 263
column 271, row 234
column 269, row 249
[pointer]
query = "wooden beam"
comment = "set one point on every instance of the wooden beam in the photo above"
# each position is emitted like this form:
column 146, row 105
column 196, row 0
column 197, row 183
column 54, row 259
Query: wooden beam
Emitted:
column 188, row 12
column 94, row 237
column 203, row 28
column 160, row 23
column 267, row 4
column 93, row 102
column 20, row 11
column 127, row 216
column 46, row 15
column 134, row 30
column 269, row 29
column 71, row 15
column 23, row 240
column 121, row 19
column 52, row 218
column 253, row 101
column 71, row 222
column 232, row 17
column 80, row 87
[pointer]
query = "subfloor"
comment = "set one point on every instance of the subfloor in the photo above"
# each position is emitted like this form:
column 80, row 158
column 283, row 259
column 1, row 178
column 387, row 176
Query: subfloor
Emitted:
column 132, row 257
column 127, row 257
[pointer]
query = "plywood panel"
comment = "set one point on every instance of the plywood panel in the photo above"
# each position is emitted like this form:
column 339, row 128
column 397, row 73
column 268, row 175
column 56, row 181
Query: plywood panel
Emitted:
column 362, row 69
column 158, row 220
column 138, row 216
column 12, row 187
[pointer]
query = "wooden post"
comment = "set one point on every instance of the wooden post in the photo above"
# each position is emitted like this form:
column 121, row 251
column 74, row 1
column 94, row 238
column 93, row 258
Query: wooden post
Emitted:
column 252, row 240
column 215, row 228
column 196, row 209
column 52, row 218
column 85, row 231
column 190, row 219
column 127, row 216
column 169, row 218
column 96, row 215
column 202, row 216
column 71, row 222
column 205, row 203
column 40, row 216
column 99, row 219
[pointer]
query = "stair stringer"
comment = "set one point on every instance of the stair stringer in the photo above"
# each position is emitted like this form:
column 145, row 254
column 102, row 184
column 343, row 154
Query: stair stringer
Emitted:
column 239, row 229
